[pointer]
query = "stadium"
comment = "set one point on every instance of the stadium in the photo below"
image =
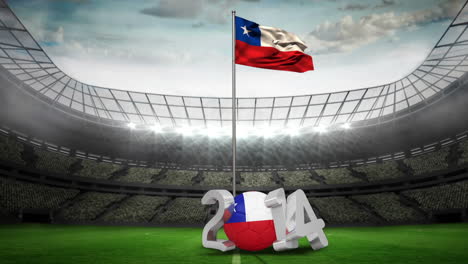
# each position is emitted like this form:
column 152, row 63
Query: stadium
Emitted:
column 90, row 174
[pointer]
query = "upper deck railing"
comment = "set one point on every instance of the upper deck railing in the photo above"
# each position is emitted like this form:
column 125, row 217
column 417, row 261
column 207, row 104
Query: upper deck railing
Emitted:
column 23, row 57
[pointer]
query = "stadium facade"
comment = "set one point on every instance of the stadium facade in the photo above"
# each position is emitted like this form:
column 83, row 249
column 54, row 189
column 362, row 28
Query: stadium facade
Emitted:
column 394, row 153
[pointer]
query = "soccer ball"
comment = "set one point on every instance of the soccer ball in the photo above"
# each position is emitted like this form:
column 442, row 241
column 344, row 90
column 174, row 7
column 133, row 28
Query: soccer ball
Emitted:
column 249, row 223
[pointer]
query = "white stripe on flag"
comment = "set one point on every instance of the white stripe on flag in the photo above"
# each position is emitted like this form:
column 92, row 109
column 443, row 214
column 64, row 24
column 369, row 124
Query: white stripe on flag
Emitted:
column 281, row 39
column 255, row 209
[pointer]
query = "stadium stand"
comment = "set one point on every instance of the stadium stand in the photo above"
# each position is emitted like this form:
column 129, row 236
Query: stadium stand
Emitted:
column 141, row 175
column 217, row 178
column 428, row 162
column 182, row 211
column 88, row 206
column 464, row 148
column 136, row 209
column 177, row 177
column 449, row 196
column 10, row 150
column 16, row 195
column 97, row 170
column 340, row 210
column 337, row 176
column 388, row 206
column 53, row 162
column 382, row 171
column 255, row 179
column 297, row 178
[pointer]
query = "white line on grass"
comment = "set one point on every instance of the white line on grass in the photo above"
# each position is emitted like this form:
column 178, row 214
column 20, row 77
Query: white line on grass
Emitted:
column 236, row 259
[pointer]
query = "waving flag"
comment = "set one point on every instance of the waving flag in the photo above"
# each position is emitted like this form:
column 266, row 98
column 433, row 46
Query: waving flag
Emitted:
column 270, row 48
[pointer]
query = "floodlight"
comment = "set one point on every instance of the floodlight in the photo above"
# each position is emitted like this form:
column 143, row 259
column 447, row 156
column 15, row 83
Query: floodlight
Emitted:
column 131, row 125
column 292, row 131
column 321, row 129
column 156, row 128
column 346, row 126
column 185, row 131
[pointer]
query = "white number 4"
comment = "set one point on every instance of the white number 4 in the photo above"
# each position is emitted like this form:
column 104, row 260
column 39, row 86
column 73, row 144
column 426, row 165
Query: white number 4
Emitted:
column 294, row 218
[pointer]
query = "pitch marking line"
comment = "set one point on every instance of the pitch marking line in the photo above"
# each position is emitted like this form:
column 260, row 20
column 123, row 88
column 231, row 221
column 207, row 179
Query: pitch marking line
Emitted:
column 236, row 258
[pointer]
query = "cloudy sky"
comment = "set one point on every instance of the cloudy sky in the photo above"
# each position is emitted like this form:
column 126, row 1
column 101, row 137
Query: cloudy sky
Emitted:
column 184, row 46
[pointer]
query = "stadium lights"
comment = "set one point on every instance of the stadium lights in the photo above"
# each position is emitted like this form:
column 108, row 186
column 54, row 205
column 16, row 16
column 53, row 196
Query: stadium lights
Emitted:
column 268, row 132
column 292, row 131
column 243, row 132
column 214, row 132
column 131, row 125
column 156, row 128
column 185, row 131
column 346, row 126
column 321, row 129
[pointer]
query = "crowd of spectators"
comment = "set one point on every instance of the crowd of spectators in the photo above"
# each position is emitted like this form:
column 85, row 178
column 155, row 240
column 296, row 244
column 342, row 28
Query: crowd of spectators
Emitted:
column 177, row 177
column 136, row 209
column 10, row 150
column 257, row 179
column 341, row 210
column 428, row 162
column 53, row 162
column 297, row 178
column 97, row 170
column 217, row 178
column 389, row 207
column 140, row 175
column 464, row 149
column 381, row 171
column 182, row 211
column 17, row 195
column 337, row 176
column 89, row 206
column 448, row 196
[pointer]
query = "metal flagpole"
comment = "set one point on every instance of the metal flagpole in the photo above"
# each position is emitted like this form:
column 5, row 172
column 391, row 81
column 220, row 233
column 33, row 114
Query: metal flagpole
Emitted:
column 234, row 103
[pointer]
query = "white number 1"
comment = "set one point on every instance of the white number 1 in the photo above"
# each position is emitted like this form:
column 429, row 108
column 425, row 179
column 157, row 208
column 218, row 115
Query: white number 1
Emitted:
column 294, row 218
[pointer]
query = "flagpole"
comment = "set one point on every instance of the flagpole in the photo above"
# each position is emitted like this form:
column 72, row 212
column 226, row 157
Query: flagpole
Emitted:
column 233, row 102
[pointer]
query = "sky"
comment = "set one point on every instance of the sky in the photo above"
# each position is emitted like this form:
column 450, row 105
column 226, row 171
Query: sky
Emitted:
column 183, row 47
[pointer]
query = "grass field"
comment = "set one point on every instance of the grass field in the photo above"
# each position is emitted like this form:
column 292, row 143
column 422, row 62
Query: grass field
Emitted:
column 35, row 243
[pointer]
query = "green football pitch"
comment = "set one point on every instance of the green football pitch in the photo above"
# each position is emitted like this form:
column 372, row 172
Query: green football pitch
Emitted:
column 35, row 243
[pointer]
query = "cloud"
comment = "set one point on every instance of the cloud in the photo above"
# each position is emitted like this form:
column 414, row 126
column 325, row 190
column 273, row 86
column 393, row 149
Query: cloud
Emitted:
column 359, row 7
column 198, row 25
column 385, row 3
column 353, row 7
column 348, row 33
column 176, row 9
column 74, row 1
column 212, row 11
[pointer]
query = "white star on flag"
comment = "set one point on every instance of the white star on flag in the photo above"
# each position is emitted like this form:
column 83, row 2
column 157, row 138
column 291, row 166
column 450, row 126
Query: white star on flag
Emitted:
column 246, row 31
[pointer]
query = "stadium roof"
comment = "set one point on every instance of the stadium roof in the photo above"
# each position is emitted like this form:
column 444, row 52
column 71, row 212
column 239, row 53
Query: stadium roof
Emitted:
column 22, row 56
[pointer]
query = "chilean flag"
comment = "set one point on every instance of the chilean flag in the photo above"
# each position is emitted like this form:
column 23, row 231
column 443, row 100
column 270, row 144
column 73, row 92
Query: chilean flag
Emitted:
column 249, row 223
column 270, row 48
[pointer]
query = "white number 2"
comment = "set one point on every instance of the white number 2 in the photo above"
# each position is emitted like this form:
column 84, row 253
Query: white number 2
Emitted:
column 294, row 218
column 210, row 231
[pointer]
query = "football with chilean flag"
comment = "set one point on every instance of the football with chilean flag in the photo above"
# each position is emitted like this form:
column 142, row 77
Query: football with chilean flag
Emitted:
column 249, row 223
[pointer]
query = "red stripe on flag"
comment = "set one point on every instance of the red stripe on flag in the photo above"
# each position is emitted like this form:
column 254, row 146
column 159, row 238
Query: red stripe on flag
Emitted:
column 271, row 58
column 252, row 236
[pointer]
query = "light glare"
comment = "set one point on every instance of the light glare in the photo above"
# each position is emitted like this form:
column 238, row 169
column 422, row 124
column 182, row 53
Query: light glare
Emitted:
column 131, row 125
column 346, row 126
